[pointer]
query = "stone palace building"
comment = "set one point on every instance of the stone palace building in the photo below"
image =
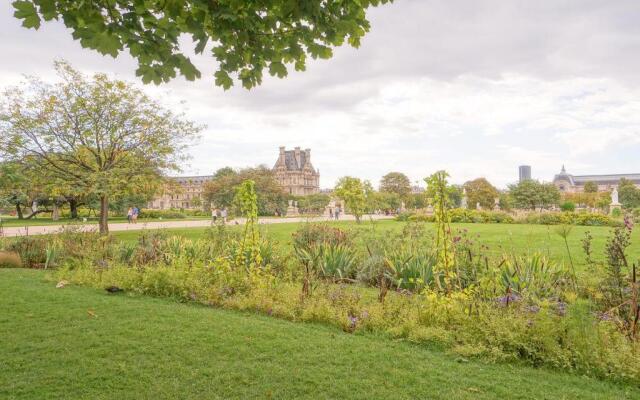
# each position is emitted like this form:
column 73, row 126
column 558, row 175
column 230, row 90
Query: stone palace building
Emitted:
column 293, row 170
column 568, row 183
column 186, row 193
column 295, row 173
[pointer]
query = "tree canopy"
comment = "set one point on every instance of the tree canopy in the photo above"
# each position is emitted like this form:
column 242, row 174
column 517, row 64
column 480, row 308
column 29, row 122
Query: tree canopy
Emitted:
column 590, row 187
column 481, row 191
column 530, row 194
column 396, row 182
column 628, row 193
column 313, row 203
column 221, row 190
column 245, row 37
column 353, row 192
column 96, row 135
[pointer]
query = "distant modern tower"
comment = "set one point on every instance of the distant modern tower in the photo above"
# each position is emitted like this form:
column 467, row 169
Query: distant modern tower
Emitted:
column 524, row 172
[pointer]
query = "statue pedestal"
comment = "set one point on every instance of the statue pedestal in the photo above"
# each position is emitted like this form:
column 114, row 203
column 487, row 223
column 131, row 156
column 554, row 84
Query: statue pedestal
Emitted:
column 614, row 206
column 292, row 209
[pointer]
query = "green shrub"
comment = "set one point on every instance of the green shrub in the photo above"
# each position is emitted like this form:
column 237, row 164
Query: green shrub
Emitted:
column 420, row 218
column 463, row 215
column 568, row 206
column 157, row 214
column 569, row 218
column 311, row 235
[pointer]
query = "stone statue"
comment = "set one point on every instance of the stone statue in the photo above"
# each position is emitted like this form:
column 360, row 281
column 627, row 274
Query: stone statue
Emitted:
column 496, row 204
column 464, row 201
column 478, row 206
column 292, row 210
column 614, row 197
column 615, row 204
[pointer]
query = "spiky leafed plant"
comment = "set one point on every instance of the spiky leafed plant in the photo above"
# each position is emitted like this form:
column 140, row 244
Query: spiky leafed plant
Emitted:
column 533, row 276
column 337, row 262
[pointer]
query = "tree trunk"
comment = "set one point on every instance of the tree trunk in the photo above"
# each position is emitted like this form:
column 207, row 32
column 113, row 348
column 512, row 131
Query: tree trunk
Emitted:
column 19, row 211
column 104, row 215
column 55, row 214
column 33, row 214
column 73, row 207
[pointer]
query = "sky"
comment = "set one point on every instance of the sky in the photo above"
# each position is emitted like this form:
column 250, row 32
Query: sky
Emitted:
column 476, row 88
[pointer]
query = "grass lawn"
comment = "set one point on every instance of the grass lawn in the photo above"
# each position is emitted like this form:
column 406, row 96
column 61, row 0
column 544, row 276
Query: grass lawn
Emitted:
column 501, row 238
column 80, row 342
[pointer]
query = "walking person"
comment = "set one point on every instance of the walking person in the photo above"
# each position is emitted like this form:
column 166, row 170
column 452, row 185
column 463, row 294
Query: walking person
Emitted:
column 223, row 215
column 214, row 215
column 337, row 213
column 130, row 215
column 136, row 212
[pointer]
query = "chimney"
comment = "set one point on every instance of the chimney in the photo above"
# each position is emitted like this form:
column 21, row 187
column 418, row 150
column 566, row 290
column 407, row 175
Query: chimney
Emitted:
column 296, row 152
column 281, row 150
column 307, row 156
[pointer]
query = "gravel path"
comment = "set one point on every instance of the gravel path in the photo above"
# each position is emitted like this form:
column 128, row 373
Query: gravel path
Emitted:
column 115, row 227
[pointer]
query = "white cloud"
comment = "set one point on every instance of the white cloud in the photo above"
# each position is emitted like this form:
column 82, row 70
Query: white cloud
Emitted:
column 476, row 88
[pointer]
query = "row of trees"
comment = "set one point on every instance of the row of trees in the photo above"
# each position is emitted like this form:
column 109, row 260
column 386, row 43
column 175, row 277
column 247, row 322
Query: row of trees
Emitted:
column 528, row 194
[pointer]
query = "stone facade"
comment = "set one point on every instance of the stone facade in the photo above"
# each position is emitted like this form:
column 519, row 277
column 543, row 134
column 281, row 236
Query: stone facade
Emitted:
column 185, row 192
column 568, row 183
column 295, row 173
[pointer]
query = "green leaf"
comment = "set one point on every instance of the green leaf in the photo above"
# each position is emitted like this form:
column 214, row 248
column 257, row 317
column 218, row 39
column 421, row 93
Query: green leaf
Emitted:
column 276, row 68
column 26, row 11
column 223, row 79
column 201, row 45
column 189, row 70
column 48, row 9
column 108, row 44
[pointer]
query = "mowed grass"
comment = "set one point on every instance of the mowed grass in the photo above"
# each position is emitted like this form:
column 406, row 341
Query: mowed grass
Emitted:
column 500, row 238
column 80, row 342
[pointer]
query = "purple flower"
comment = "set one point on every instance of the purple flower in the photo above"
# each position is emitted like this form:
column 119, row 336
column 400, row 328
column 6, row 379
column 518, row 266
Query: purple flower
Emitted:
column 533, row 309
column 561, row 308
column 509, row 298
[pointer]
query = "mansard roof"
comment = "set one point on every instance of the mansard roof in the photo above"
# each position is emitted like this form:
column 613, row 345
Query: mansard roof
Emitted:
column 198, row 179
column 294, row 160
column 611, row 178
column 291, row 163
column 607, row 179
